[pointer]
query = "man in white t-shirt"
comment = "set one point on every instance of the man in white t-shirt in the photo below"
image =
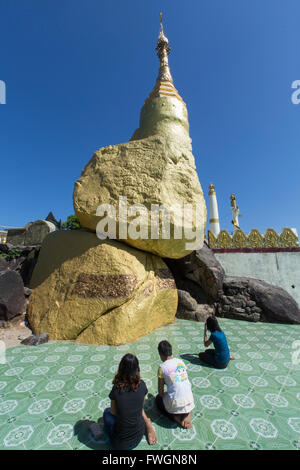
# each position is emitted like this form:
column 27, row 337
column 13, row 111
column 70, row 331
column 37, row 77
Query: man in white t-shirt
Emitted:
column 177, row 402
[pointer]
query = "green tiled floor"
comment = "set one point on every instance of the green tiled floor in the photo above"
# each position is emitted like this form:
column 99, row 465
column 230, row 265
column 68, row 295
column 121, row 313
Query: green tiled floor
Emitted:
column 49, row 394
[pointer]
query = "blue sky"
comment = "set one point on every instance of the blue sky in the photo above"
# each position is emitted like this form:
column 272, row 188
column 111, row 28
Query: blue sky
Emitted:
column 77, row 74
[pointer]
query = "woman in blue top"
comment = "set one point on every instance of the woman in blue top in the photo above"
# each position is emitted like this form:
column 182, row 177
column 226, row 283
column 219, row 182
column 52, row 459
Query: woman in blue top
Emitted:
column 220, row 355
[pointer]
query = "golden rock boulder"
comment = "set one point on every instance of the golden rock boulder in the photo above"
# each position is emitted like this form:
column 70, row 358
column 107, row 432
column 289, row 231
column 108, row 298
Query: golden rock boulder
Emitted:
column 155, row 170
column 157, row 173
column 98, row 292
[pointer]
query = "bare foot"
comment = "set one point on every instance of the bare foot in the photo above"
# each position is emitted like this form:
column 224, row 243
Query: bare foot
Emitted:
column 183, row 420
column 151, row 435
column 186, row 423
column 231, row 356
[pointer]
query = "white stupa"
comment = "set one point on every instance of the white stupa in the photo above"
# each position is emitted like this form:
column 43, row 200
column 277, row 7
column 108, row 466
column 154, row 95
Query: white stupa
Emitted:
column 214, row 223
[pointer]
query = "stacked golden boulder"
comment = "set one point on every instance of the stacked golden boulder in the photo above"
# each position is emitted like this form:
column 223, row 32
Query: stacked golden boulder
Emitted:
column 114, row 291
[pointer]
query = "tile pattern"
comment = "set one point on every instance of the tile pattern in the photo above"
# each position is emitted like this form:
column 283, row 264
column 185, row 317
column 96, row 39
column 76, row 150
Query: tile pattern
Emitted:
column 49, row 394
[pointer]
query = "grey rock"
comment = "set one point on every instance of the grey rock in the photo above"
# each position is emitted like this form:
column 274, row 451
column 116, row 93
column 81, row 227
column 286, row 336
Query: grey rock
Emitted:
column 23, row 264
column 203, row 268
column 12, row 298
column 256, row 309
column 35, row 340
column 186, row 314
column 226, row 300
column 275, row 302
column 200, row 314
column 234, row 285
column 256, row 317
column 206, row 271
column 4, row 266
column 27, row 291
column 219, row 309
column 255, row 300
column 238, row 303
column 230, row 292
column 237, row 310
column 193, row 289
column 28, row 266
column 206, row 309
column 241, row 296
column 252, row 317
column 186, row 301
column 32, row 234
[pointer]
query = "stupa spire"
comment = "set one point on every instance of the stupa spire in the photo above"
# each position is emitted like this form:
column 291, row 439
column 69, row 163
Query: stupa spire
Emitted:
column 163, row 50
column 164, row 84
column 164, row 111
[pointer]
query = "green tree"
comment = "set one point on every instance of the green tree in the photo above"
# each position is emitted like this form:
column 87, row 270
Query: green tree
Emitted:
column 72, row 223
column 14, row 253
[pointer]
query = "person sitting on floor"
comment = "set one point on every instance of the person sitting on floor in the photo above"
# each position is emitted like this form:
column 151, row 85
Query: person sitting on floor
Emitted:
column 220, row 355
column 125, row 421
column 178, row 401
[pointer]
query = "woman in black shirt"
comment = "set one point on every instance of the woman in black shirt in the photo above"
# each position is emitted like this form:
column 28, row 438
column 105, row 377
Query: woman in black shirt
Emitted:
column 125, row 421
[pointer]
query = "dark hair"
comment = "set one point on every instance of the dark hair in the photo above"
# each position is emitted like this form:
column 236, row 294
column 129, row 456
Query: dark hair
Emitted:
column 212, row 324
column 128, row 374
column 164, row 348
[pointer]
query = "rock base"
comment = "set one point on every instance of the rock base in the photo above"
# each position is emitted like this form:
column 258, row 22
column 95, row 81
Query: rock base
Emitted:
column 99, row 292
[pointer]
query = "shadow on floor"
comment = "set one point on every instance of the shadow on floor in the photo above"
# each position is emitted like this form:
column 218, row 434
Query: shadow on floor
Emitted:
column 84, row 435
column 156, row 416
column 150, row 408
column 194, row 359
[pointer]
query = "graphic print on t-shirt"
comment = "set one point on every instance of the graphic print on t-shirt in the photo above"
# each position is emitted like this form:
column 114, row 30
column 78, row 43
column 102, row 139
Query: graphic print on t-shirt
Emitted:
column 177, row 375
